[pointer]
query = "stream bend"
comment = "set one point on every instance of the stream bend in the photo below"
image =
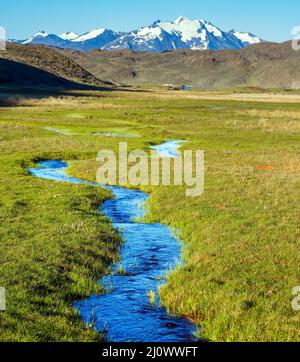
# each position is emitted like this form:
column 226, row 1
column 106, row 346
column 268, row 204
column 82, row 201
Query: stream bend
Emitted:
column 149, row 251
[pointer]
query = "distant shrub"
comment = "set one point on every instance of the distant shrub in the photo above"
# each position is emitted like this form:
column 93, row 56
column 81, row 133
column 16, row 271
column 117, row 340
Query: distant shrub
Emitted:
column 11, row 101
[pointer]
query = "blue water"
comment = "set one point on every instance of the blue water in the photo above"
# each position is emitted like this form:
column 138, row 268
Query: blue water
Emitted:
column 55, row 130
column 107, row 134
column 149, row 251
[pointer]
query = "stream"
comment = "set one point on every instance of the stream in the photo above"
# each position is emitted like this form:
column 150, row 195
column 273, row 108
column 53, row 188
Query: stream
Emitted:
column 149, row 251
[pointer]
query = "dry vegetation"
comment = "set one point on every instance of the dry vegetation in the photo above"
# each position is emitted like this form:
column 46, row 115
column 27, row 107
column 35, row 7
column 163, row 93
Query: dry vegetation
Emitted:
column 49, row 60
column 264, row 65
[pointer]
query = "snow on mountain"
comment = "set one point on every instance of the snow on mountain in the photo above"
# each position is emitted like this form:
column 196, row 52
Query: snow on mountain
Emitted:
column 181, row 34
column 246, row 38
column 188, row 29
column 90, row 35
column 43, row 38
column 200, row 34
column 161, row 36
column 70, row 35
column 95, row 39
column 147, row 39
column 40, row 34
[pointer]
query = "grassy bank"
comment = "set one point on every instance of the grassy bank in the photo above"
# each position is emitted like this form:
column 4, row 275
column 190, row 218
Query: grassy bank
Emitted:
column 54, row 244
column 241, row 237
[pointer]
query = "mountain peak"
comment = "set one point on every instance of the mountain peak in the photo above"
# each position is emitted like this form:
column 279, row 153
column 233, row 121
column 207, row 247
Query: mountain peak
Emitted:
column 161, row 36
column 181, row 19
column 246, row 38
column 41, row 33
column 156, row 22
column 90, row 35
column 70, row 35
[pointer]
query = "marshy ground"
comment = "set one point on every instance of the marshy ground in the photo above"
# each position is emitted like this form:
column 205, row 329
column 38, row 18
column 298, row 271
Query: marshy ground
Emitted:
column 241, row 237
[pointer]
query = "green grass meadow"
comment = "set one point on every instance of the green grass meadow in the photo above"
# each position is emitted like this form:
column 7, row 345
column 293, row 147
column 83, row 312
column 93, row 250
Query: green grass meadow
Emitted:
column 241, row 237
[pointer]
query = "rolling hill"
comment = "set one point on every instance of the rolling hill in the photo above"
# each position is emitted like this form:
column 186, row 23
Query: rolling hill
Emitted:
column 22, row 65
column 265, row 65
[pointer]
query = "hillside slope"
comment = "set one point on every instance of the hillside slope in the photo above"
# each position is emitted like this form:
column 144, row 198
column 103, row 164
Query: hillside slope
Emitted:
column 265, row 65
column 38, row 65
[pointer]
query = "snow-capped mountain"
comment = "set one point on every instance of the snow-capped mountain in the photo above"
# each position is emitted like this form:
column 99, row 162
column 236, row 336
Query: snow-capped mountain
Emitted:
column 44, row 38
column 40, row 34
column 90, row 35
column 70, row 35
column 246, row 38
column 94, row 39
column 160, row 36
column 181, row 34
column 147, row 39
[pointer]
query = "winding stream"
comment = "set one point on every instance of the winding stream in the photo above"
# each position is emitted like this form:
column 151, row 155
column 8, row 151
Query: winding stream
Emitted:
column 149, row 251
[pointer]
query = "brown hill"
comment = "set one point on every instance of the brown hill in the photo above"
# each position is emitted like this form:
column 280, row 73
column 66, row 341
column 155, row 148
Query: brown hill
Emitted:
column 265, row 65
column 41, row 66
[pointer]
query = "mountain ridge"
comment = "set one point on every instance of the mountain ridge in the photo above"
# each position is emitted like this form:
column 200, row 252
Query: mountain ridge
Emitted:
column 161, row 36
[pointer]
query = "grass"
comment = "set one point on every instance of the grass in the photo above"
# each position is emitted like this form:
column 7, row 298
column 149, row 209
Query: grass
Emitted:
column 152, row 297
column 241, row 237
column 121, row 271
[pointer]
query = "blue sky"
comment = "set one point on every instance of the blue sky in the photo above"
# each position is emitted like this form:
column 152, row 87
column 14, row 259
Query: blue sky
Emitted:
column 270, row 19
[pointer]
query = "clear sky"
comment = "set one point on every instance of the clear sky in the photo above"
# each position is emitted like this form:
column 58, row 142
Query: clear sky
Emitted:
column 270, row 19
